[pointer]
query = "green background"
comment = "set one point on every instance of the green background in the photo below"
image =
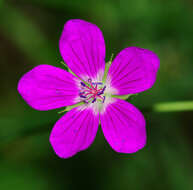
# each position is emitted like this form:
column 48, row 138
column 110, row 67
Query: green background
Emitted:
column 29, row 35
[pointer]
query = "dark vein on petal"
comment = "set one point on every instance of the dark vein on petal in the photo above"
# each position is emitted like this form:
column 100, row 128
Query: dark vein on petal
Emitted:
column 93, row 52
column 78, row 58
column 86, row 56
column 114, row 126
column 126, row 74
column 121, row 68
column 129, row 82
column 79, row 129
column 58, row 90
column 58, row 79
column 72, row 119
column 117, row 115
column 86, row 131
column 129, row 119
column 116, row 66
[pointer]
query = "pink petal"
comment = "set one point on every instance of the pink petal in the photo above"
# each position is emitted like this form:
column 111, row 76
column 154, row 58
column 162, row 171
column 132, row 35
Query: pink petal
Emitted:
column 133, row 70
column 46, row 87
column 82, row 47
column 123, row 126
column 74, row 132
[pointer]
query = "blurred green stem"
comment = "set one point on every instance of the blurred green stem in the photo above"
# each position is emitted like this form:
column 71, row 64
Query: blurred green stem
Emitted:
column 159, row 107
column 173, row 106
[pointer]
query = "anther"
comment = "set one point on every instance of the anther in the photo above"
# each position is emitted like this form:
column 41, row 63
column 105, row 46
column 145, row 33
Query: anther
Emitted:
column 102, row 91
column 82, row 96
column 83, row 84
column 99, row 83
column 90, row 93
column 94, row 100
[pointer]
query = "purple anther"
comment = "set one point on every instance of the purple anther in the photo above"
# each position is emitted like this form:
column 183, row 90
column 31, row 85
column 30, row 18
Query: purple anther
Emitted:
column 89, row 80
column 82, row 84
column 94, row 100
column 102, row 91
column 103, row 99
column 82, row 96
column 104, row 88
column 99, row 83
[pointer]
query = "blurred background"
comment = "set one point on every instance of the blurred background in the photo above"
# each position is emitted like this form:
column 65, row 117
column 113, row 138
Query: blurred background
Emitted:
column 29, row 35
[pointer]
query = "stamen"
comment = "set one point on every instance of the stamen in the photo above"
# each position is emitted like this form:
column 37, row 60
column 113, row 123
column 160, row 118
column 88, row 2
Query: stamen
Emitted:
column 82, row 84
column 102, row 91
column 82, row 96
column 99, row 83
column 104, row 99
column 94, row 100
column 104, row 88
column 91, row 92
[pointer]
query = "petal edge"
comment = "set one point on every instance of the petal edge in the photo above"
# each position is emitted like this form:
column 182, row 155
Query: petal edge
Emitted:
column 133, row 70
column 123, row 126
column 74, row 132
column 82, row 47
column 47, row 87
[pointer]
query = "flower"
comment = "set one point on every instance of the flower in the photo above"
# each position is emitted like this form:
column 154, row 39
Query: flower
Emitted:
column 93, row 91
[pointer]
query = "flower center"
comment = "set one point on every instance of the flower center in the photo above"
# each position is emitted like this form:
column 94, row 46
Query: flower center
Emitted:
column 92, row 91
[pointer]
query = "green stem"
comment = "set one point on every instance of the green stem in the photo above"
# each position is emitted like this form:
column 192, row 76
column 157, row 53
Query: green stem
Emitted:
column 173, row 106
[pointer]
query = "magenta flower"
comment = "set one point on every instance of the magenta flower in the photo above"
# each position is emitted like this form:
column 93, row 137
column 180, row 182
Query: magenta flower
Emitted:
column 93, row 90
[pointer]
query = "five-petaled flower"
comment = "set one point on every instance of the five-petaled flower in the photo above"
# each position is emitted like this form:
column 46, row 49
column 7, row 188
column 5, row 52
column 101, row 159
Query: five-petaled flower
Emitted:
column 93, row 90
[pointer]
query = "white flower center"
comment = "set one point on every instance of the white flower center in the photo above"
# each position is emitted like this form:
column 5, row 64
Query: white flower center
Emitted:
column 92, row 92
column 96, row 95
